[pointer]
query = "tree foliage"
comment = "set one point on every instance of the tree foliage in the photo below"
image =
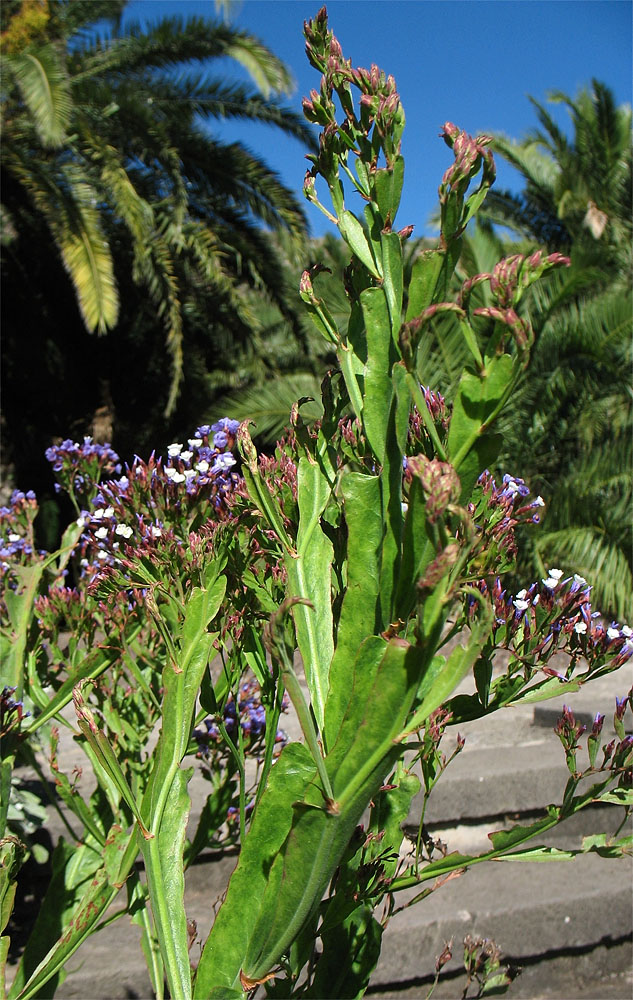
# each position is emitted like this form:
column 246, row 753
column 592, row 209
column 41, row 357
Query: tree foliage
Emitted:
column 125, row 214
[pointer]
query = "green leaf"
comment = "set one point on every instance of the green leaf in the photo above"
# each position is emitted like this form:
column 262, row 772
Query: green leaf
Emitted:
column 96, row 663
column 350, row 953
column 425, row 275
column 166, row 803
column 380, row 360
column 77, row 897
column 45, row 89
column 388, row 183
column 294, row 844
column 224, row 951
column 418, row 550
column 439, row 682
column 12, row 856
column 391, row 247
column 540, row 854
column 166, row 883
column 479, row 398
column 365, row 664
column 310, row 578
column 360, row 611
column 354, row 235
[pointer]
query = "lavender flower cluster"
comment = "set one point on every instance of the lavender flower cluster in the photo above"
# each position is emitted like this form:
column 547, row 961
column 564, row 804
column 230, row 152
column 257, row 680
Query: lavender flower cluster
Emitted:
column 80, row 467
column 498, row 510
column 16, row 533
column 554, row 615
column 155, row 499
column 249, row 714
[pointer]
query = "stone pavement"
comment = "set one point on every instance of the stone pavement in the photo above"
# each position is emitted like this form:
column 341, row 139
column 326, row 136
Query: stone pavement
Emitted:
column 568, row 924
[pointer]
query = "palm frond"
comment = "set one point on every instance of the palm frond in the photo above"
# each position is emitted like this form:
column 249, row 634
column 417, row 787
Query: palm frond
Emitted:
column 173, row 41
column 68, row 202
column 269, row 404
column 213, row 99
column 45, row 89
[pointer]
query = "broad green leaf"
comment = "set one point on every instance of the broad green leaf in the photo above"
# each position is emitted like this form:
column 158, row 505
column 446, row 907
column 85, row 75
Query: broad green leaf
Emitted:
column 359, row 615
column 310, row 577
column 388, row 183
column 482, row 455
column 354, row 235
column 380, row 360
column 166, row 882
column 425, row 274
column 364, row 664
column 350, row 953
column 166, row 803
column 294, row 844
column 224, row 951
column 362, row 756
column 479, row 398
column 391, row 246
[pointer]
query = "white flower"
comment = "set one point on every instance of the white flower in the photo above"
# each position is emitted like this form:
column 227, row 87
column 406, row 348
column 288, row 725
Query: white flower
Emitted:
column 189, row 474
column 173, row 450
column 177, row 477
column 579, row 579
column 613, row 633
column 520, row 605
column 224, row 461
column 101, row 533
column 108, row 512
column 555, row 573
column 16, row 538
column 536, row 599
column 202, row 466
column 538, row 502
column 580, row 628
column 156, row 532
column 102, row 554
column 170, row 473
column 194, row 442
column 551, row 583
column 627, row 631
column 186, row 456
column 521, row 594
column 98, row 514
column 123, row 530
column 81, row 521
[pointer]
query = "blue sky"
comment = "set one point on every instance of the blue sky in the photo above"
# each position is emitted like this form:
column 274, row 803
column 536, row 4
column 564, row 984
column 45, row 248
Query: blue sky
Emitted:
column 472, row 62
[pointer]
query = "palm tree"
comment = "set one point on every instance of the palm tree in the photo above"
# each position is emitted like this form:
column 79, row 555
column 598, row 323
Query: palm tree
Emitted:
column 107, row 134
column 123, row 213
column 577, row 191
